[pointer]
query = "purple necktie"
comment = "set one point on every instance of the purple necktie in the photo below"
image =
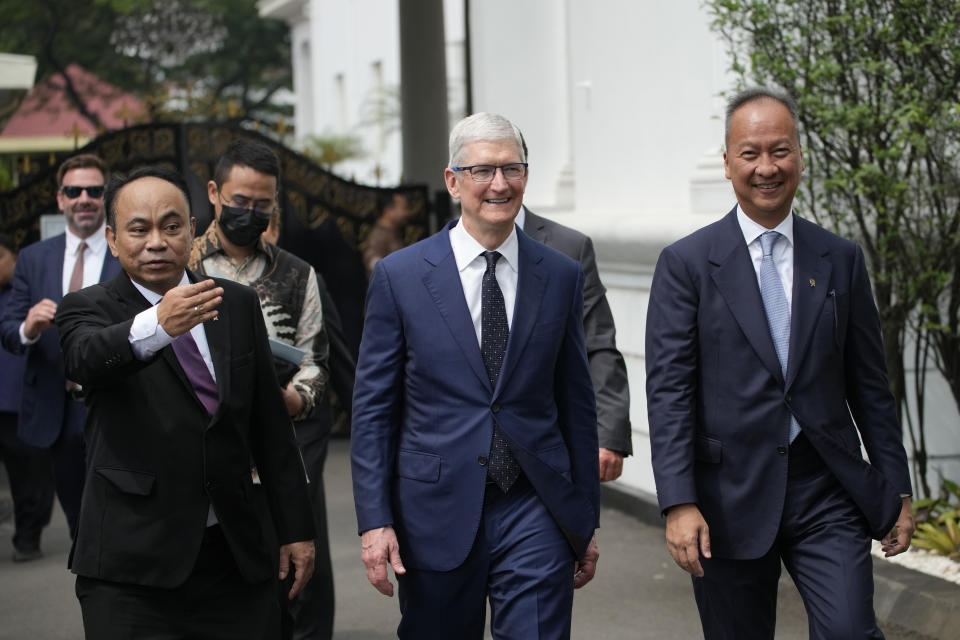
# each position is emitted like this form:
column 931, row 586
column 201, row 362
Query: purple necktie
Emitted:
column 197, row 373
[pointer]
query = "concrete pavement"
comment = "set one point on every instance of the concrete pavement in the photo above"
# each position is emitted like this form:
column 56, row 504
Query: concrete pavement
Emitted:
column 638, row 592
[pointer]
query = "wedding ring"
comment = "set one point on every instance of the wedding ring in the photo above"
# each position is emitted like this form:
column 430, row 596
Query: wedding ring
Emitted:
column 197, row 309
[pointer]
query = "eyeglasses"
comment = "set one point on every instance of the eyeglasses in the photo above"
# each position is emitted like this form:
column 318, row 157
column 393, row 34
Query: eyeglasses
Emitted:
column 486, row 172
column 263, row 207
column 72, row 192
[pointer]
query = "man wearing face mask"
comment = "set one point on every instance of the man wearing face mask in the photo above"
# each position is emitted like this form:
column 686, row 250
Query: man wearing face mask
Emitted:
column 243, row 193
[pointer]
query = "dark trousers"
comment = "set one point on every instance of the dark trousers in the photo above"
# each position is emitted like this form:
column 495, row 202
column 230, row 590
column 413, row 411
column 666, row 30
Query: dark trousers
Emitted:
column 520, row 561
column 309, row 616
column 31, row 484
column 215, row 603
column 824, row 544
column 69, row 461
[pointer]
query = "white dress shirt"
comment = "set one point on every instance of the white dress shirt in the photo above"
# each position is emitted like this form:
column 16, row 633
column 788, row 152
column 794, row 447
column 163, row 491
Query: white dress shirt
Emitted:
column 147, row 337
column 471, row 265
column 93, row 257
column 782, row 251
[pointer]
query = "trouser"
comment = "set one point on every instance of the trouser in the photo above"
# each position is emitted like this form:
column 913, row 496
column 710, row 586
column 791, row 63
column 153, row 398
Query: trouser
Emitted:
column 520, row 561
column 214, row 603
column 310, row 615
column 825, row 545
column 31, row 484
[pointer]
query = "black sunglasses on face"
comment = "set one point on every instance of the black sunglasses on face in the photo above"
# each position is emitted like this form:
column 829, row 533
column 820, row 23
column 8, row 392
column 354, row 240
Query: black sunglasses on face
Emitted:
column 74, row 192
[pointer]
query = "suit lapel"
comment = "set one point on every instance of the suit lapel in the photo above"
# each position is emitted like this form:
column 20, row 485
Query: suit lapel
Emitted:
column 531, row 283
column 736, row 279
column 811, row 280
column 442, row 280
column 53, row 287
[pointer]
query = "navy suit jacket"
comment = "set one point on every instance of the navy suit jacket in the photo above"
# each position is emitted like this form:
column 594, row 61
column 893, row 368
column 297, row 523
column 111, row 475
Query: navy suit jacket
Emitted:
column 719, row 405
column 39, row 275
column 424, row 410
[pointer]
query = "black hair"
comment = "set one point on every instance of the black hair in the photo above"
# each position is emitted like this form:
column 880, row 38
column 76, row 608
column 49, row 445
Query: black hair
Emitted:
column 759, row 93
column 119, row 182
column 247, row 153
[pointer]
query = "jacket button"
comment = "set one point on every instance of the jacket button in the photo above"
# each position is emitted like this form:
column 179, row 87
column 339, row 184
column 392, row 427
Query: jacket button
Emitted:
column 210, row 484
column 482, row 460
column 495, row 408
column 781, row 450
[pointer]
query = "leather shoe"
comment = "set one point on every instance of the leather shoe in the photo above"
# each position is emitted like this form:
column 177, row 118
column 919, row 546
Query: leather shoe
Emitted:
column 27, row 556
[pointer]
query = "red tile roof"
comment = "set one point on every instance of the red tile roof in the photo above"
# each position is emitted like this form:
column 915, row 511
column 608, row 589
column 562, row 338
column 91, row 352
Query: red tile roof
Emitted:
column 47, row 111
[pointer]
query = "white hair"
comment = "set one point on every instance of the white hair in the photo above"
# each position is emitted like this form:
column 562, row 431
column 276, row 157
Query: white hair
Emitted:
column 483, row 127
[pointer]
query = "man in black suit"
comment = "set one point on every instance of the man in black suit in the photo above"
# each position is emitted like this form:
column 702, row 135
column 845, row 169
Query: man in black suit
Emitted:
column 174, row 540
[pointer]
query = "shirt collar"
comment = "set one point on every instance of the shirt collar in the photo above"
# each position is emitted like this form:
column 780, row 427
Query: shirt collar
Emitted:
column 152, row 296
column 96, row 242
column 753, row 230
column 466, row 249
column 521, row 217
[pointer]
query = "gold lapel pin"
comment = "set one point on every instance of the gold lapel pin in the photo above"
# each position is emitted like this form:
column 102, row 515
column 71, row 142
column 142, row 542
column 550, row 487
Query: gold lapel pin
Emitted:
column 813, row 282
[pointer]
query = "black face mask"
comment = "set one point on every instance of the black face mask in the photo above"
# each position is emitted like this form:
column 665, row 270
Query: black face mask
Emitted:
column 242, row 227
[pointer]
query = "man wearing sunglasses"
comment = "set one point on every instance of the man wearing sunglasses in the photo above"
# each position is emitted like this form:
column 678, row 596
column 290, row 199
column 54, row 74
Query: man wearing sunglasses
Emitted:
column 51, row 408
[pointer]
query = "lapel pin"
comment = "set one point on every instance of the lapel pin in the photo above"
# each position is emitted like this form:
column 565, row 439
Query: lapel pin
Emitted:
column 813, row 282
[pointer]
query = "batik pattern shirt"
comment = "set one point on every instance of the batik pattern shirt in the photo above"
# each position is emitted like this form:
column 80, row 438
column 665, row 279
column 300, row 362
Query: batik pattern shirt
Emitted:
column 290, row 301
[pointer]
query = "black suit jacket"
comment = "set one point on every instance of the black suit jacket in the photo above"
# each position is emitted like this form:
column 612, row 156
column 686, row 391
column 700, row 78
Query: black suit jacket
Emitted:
column 607, row 368
column 720, row 406
column 156, row 460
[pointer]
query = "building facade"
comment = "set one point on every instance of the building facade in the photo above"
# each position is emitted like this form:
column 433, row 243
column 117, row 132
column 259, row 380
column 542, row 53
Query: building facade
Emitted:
column 620, row 102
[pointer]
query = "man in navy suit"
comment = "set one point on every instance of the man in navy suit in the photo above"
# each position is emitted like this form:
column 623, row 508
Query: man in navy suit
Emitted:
column 51, row 411
column 764, row 361
column 474, row 440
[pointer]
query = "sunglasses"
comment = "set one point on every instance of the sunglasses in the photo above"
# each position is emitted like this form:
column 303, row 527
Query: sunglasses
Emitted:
column 74, row 192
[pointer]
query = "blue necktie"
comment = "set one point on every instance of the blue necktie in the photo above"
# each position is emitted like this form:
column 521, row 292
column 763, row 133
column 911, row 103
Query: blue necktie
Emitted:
column 777, row 308
column 494, row 332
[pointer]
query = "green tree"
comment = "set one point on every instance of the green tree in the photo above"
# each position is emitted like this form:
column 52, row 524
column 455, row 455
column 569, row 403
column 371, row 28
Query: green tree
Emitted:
column 186, row 58
column 878, row 87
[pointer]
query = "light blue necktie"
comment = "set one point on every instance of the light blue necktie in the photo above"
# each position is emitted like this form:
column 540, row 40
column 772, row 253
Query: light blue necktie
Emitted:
column 777, row 308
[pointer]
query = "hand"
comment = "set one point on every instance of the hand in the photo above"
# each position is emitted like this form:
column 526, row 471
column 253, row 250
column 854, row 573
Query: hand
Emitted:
column 186, row 306
column 585, row 569
column 39, row 318
column 611, row 465
column 293, row 399
column 377, row 547
column 302, row 555
column 898, row 540
column 687, row 537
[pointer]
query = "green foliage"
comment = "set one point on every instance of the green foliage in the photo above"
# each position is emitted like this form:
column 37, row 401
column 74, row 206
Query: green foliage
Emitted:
column 878, row 87
column 186, row 58
column 938, row 522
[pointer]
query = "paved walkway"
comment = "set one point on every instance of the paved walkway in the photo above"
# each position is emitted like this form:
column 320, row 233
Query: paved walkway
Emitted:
column 638, row 592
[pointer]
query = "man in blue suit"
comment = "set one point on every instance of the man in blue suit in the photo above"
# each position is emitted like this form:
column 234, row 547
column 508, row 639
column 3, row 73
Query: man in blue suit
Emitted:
column 764, row 361
column 51, row 411
column 474, row 441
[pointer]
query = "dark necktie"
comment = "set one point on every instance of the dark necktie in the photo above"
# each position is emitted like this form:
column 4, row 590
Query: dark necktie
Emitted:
column 494, row 332
column 196, row 369
column 777, row 308
column 76, row 277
